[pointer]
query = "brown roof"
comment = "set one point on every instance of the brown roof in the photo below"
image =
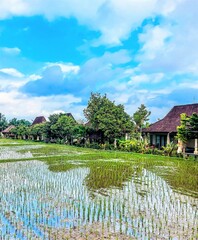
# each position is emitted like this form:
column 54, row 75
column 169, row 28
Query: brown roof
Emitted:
column 70, row 115
column 170, row 122
column 8, row 129
column 38, row 120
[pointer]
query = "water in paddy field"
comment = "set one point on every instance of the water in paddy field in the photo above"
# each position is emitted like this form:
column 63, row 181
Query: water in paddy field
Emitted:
column 88, row 200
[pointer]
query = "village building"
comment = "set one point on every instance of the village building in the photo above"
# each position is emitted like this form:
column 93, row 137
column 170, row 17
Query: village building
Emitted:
column 164, row 131
column 7, row 132
column 39, row 120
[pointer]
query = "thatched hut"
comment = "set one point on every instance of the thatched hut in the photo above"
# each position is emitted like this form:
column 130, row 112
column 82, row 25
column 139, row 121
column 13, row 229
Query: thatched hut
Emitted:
column 164, row 131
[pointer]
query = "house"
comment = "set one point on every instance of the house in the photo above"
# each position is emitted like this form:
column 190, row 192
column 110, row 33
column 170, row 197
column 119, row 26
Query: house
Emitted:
column 164, row 131
column 38, row 120
column 7, row 132
column 69, row 115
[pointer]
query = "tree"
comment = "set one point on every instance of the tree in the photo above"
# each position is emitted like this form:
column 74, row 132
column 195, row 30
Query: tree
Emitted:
column 64, row 127
column 20, row 131
column 188, row 129
column 13, row 122
column 3, row 122
column 107, row 118
column 193, row 129
column 37, row 130
column 140, row 117
column 48, row 132
column 17, row 122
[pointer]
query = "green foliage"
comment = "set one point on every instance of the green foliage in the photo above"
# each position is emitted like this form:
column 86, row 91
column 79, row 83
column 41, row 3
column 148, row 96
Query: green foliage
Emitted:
column 16, row 122
column 193, row 130
column 188, row 127
column 20, row 131
column 141, row 116
column 169, row 148
column 64, row 127
column 37, row 130
column 132, row 145
column 105, row 116
column 3, row 122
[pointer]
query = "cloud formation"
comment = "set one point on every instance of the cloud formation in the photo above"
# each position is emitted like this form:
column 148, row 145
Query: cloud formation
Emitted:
column 141, row 51
column 114, row 19
column 172, row 46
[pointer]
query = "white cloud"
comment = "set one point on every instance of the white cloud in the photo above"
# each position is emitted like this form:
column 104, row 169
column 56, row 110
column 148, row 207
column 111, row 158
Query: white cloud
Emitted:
column 15, row 104
column 11, row 51
column 137, row 79
column 12, row 72
column 65, row 67
column 116, row 19
column 154, row 40
column 104, row 69
column 113, row 18
column 171, row 47
column 165, row 7
column 34, row 77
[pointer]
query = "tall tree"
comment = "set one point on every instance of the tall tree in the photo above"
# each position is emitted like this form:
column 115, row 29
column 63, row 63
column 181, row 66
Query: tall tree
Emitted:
column 64, row 127
column 188, row 128
column 20, row 131
column 48, row 132
column 140, row 117
column 37, row 130
column 193, row 129
column 3, row 122
column 107, row 117
column 16, row 122
column 13, row 122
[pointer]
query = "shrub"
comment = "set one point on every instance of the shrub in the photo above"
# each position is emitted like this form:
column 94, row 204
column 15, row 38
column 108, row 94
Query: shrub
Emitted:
column 133, row 145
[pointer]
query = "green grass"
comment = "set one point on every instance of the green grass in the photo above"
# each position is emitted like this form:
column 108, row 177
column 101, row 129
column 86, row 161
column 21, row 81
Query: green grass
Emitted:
column 181, row 174
column 137, row 191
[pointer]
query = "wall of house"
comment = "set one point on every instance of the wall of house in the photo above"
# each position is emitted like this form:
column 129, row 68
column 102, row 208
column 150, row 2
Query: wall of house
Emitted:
column 191, row 143
column 160, row 139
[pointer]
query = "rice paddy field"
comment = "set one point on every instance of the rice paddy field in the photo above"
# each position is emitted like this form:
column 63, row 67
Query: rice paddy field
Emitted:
column 61, row 192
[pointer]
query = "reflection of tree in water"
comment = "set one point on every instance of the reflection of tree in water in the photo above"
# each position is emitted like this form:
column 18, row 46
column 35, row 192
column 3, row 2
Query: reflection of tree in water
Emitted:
column 108, row 174
column 60, row 167
column 181, row 176
column 103, row 175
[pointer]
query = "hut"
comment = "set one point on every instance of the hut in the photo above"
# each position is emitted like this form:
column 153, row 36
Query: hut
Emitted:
column 7, row 132
column 38, row 120
column 164, row 131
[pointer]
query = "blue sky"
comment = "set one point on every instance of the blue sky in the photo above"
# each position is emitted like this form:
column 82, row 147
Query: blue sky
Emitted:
column 53, row 54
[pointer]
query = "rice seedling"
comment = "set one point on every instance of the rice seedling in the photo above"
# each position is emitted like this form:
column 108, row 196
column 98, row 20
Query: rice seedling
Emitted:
column 58, row 194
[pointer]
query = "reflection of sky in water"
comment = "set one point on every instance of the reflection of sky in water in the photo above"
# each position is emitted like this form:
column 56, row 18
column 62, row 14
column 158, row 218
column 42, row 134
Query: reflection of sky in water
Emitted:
column 32, row 197
column 11, row 152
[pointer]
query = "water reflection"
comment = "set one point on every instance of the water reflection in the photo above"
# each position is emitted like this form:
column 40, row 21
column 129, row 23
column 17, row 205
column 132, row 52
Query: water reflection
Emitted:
column 114, row 197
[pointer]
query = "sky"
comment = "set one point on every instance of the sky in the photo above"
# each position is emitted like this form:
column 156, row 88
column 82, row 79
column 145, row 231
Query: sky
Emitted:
column 53, row 54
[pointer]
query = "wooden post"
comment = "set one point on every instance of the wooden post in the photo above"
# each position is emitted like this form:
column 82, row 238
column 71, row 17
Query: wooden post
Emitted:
column 168, row 138
column 196, row 146
column 115, row 143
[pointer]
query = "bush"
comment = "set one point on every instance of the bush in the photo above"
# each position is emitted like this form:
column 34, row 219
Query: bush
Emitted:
column 169, row 148
column 133, row 145
column 94, row 145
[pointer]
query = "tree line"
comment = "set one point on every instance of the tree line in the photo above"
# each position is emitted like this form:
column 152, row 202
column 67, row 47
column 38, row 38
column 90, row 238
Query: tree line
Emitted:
column 106, row 122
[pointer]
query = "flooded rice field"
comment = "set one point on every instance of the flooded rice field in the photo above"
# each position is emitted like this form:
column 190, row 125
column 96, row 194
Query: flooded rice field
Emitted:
column 109, row 197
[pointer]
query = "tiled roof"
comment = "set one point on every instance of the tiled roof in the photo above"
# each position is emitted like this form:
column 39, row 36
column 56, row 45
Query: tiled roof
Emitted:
column 7, row 130
column 38, row 120
column 170, row 122
column 69, row 115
